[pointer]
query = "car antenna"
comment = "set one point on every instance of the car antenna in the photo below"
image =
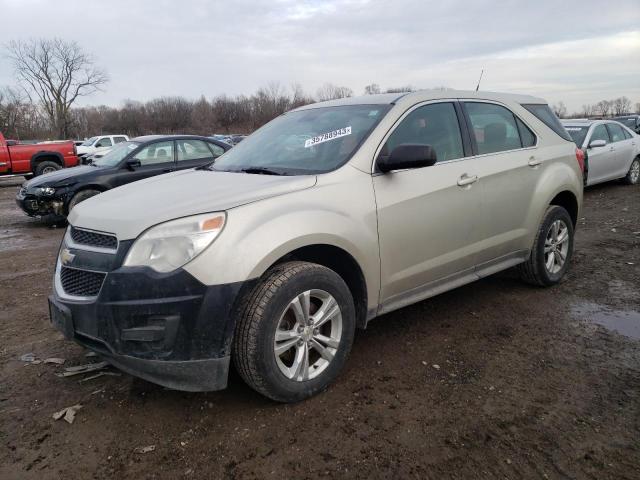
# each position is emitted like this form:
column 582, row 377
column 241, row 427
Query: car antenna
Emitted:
column 480, row 79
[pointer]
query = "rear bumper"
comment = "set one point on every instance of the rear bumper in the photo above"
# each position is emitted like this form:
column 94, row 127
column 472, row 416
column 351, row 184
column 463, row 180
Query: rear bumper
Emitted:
column 169, row 329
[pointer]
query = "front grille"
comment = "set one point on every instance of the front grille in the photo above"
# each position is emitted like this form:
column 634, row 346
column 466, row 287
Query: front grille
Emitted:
column 81, row 283
column 94, row 239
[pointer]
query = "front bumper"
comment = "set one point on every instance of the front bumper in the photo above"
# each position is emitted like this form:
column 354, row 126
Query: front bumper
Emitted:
column 169, row 329
column 35, row 206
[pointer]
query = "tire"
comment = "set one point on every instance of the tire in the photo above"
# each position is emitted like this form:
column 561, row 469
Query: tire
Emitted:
column 536, row 270
column 271, row 306
column 633, row 175
column 81, row 196
column 46, row 167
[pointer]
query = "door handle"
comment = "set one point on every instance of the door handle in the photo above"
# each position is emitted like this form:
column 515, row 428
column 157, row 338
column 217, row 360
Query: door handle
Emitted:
column 467, row 180
column 534, row 162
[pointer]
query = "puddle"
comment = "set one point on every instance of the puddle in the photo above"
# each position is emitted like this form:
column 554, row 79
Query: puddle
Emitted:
column 625, row 322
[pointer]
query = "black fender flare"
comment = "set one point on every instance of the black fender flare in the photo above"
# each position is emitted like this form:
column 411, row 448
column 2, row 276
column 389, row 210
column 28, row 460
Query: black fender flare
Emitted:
column 46, row 155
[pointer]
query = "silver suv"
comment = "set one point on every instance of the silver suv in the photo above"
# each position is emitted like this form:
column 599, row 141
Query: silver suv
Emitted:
column 325, row 218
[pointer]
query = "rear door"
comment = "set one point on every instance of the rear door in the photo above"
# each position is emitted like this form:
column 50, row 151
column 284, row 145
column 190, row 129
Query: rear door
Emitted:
column 600, row 158
column 624, row 150
column 192, row 152
column 155, row 159
column 509, row 165
column 428, row 218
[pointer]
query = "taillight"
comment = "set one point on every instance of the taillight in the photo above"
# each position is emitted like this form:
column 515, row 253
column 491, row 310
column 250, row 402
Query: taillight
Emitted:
column 580, row 158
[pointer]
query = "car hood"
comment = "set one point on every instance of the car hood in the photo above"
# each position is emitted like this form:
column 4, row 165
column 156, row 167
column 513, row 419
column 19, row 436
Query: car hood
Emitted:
column 60, row 177
column 129, row 210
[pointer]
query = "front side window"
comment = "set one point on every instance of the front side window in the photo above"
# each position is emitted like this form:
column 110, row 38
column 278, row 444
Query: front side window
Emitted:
column 190, row 149
column 600, row 133
column 615, row 132
column 159, row 152
column 494, row 127
column 303, row 142
column 435, row 124
column 104, row 142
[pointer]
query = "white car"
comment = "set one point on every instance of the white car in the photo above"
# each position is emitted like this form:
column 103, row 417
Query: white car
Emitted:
column 612, row 151
column 99, row 143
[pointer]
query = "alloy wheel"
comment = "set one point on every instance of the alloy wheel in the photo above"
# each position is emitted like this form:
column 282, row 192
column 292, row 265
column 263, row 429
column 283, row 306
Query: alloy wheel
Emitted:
column 556, row 246
column 308, row 335
column 634, row 174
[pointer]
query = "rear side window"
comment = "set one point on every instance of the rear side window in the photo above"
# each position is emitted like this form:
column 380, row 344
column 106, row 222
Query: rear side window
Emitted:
column 435, row 124
column 119, row 139
column 627, row 135
column 546, row 116
column 191, row 149
column 615, row 131
column 526, row 135
column 494, row 127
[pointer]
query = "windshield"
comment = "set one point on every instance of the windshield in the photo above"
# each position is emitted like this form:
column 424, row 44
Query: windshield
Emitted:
column 304, row 142
column 577, row 134
column 116, row 154
column 88, row 143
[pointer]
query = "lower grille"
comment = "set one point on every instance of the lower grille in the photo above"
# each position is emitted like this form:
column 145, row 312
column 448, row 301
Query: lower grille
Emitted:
column 94, row 239
column 81, row 283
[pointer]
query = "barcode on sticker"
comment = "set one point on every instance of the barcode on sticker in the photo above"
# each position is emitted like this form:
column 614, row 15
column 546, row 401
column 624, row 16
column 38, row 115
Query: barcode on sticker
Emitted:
column 325, row 137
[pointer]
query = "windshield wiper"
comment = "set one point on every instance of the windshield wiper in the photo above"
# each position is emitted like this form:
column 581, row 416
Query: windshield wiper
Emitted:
column 261, row 171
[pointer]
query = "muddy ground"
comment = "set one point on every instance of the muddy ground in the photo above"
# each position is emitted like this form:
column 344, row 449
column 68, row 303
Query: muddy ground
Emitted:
column 493, row 380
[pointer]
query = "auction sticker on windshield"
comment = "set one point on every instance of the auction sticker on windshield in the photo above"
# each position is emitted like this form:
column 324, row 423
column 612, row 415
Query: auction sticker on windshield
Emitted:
column 325, row 137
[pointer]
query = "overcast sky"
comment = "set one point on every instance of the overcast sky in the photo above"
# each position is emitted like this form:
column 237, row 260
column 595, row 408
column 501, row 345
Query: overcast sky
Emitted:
column 575, row 51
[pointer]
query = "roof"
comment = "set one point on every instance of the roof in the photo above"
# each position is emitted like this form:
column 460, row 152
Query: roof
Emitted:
column 149, row 138
column 424, row 95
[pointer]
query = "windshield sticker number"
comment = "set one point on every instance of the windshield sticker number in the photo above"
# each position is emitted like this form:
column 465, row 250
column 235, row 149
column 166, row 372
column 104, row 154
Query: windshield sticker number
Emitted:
column 325, row 137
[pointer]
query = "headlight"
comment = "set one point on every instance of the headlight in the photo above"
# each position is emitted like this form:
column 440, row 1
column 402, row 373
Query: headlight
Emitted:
column 46, row 191
column 170, row 245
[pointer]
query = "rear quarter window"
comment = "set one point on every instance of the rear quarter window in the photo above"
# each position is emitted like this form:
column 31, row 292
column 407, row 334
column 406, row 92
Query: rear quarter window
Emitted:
column 543, row 113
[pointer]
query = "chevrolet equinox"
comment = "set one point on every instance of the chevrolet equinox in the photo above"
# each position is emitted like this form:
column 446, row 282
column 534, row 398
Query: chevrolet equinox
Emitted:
column 328, row 216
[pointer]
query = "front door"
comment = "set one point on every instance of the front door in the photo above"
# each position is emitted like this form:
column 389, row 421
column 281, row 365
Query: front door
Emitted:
column 155, row 159
column 624, row 150
column 600, row 158
column 427, row 217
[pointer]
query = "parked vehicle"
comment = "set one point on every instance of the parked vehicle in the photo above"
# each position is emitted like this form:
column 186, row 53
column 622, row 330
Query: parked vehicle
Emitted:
column 328, row 216
column 35, row 159
column 96, row 144
column 612, row 151
column 630, row 121
column 127, row 162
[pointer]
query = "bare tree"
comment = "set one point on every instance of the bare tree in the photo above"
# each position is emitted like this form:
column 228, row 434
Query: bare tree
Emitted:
column 372, row 89
column 603, row 107
column 621, row 105
column 330, row 91
column 57, row 73
column 560, row 109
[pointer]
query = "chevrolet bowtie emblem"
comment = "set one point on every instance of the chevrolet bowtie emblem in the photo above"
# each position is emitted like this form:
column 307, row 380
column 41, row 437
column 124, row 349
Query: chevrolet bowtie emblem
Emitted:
column 66, row 257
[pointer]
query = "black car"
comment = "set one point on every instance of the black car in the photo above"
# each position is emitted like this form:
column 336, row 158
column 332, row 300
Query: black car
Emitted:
column 630, row 121
column 56, row 193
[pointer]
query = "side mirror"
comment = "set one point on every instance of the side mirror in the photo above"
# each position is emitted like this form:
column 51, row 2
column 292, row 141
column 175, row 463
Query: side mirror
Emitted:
column 407, row 155
column 597, row 143
column 133, row 163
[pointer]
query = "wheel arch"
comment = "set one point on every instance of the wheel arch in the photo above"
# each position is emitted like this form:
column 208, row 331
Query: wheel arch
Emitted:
column 567, row 200
column 45, row 156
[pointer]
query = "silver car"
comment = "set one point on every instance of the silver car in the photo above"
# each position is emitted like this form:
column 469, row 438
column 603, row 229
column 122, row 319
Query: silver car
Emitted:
column 325, row 218
column 612, row 151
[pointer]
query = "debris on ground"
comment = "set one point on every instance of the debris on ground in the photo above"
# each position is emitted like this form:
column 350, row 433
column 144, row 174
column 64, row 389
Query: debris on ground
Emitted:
column 98, row 375
column 437, row 367
column 55, row 360
column 68, row 413
column 80, row 369
column 90, row 354
column 147, row 449
column 30, row 358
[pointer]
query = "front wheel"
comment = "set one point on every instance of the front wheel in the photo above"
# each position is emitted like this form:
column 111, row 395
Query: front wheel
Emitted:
column 552, row 249
column 633, row 175
column 294, row 331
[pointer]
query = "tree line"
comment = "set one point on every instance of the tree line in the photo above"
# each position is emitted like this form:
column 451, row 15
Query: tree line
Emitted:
column 54, row 74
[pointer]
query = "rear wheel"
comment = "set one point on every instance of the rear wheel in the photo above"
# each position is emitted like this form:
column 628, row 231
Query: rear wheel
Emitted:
column 46, row 167
column 552, row 249
column 294, row 331
column 633, row 175
column 81, row 196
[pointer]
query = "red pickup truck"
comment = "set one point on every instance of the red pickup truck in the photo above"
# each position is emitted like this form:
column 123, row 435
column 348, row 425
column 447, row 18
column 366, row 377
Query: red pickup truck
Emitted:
column 27, row 160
